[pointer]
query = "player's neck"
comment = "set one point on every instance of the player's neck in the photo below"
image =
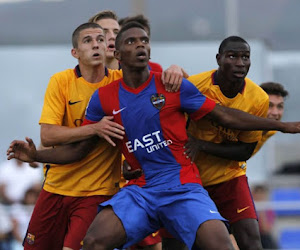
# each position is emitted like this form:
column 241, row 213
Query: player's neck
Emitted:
column 112, row 63
column 135, row 77
column 229, row 88
column 92, row 74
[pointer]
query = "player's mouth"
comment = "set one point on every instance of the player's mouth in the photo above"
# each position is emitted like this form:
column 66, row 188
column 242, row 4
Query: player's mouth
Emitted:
column 111, row 47
column 141, row 55
column 239, row 74
column 96, row 55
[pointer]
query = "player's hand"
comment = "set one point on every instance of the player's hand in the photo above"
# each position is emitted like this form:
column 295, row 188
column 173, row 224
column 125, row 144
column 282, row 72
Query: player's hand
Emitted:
column 172, row 78
column 22, row 150
column 192, row 148
column 130, row 174
column 291, row 127
column 107, row 128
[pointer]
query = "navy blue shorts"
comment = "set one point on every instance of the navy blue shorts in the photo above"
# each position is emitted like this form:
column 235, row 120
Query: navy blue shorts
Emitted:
column 181, row 210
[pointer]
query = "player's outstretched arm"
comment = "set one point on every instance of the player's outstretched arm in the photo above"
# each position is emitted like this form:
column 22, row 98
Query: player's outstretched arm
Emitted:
column 237, row 119
column 236, row 151
column 26, row 151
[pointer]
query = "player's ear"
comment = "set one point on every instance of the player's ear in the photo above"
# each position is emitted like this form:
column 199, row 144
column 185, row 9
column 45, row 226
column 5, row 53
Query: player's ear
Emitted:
column 74, row 53
column 218, row 57
column 117, row 55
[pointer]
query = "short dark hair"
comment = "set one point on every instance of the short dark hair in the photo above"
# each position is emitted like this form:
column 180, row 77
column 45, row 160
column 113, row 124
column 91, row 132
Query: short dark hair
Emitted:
column 126, row 27
column 274, row 88
column 137, row 18
column 81, row 27
column 229, row 39
column 105, row 14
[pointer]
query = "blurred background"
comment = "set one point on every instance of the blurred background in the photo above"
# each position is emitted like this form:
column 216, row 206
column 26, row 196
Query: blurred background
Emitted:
column 35, row 43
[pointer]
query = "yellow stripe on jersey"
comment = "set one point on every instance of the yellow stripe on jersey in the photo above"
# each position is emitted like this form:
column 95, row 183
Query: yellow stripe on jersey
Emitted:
column 253, row 100
column 65, row 102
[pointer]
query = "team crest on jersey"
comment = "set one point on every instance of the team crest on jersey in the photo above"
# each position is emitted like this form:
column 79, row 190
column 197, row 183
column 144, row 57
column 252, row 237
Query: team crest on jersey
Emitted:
column 158, row 100
column 30, row 238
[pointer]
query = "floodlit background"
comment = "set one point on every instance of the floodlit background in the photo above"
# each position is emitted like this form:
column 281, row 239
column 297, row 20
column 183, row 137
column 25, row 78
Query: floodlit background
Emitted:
column 35, row 42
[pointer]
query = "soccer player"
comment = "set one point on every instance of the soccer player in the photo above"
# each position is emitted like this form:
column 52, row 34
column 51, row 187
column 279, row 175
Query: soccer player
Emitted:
column 221, row 153
column 68, row 201
column 171, row 183
column 277, row 95
column 71, row 192
column 141, row 19
column 108, row 20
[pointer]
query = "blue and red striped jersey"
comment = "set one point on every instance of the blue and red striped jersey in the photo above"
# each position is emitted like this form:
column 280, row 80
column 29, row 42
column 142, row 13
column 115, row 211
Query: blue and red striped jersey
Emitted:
column 154, row 122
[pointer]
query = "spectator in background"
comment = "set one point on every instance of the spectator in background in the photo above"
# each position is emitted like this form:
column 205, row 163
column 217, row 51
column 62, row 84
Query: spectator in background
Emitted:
column 21, row 213
column 5, row 229
column 15, row 178
column 266, row 218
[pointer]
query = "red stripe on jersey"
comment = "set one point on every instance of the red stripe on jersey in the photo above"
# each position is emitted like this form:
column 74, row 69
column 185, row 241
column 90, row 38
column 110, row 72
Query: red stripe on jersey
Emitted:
column 87, row 122
column 109, row 98
column 206, row 108
column 155, row 67
column 189, row 172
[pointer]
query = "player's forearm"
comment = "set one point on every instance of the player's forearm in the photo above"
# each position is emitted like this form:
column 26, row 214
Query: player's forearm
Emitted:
column 52, row 135
column 231, row 151
column 60, row 155
column 237, row 119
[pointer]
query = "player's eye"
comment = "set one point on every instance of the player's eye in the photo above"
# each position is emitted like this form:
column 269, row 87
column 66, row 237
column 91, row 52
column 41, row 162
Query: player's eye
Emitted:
column 145, row 40
column 130, row 41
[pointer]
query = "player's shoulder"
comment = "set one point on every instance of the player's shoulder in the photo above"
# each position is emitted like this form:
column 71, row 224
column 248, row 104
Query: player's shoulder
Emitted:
column 206, row 75
column 114, row 74
column 67, row 73
column 63, row 79
column 113, row 84
column 255, row 90
column 155, row 67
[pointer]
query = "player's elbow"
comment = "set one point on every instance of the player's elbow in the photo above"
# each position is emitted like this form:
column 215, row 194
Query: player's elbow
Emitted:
column 46, row 142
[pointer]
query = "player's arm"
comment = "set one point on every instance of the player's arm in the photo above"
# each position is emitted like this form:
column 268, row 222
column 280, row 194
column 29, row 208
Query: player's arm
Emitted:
column 237, row 119
column 26, row 151
column 54, row 108
column 52, row 135
column 172, row 77
column 237, row 151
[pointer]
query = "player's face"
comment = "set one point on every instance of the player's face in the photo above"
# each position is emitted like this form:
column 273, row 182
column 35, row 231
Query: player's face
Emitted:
column 234, row 62
column 111, row 29
column 91, row 47
column 135, row 48
column 276, row 107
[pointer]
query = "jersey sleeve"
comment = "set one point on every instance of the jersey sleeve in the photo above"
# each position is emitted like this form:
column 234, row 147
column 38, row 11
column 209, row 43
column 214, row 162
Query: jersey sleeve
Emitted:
column 200, row 81
column 94, row 111
column 194, row 102
column 54, row 102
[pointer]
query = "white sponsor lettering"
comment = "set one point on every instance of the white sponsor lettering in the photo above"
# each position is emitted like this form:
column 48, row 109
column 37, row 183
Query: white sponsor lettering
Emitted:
column 151, row 142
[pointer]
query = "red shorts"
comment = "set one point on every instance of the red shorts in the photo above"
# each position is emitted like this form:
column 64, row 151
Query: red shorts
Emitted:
column 233, row 199
column 151, row 239
column 60, row 221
